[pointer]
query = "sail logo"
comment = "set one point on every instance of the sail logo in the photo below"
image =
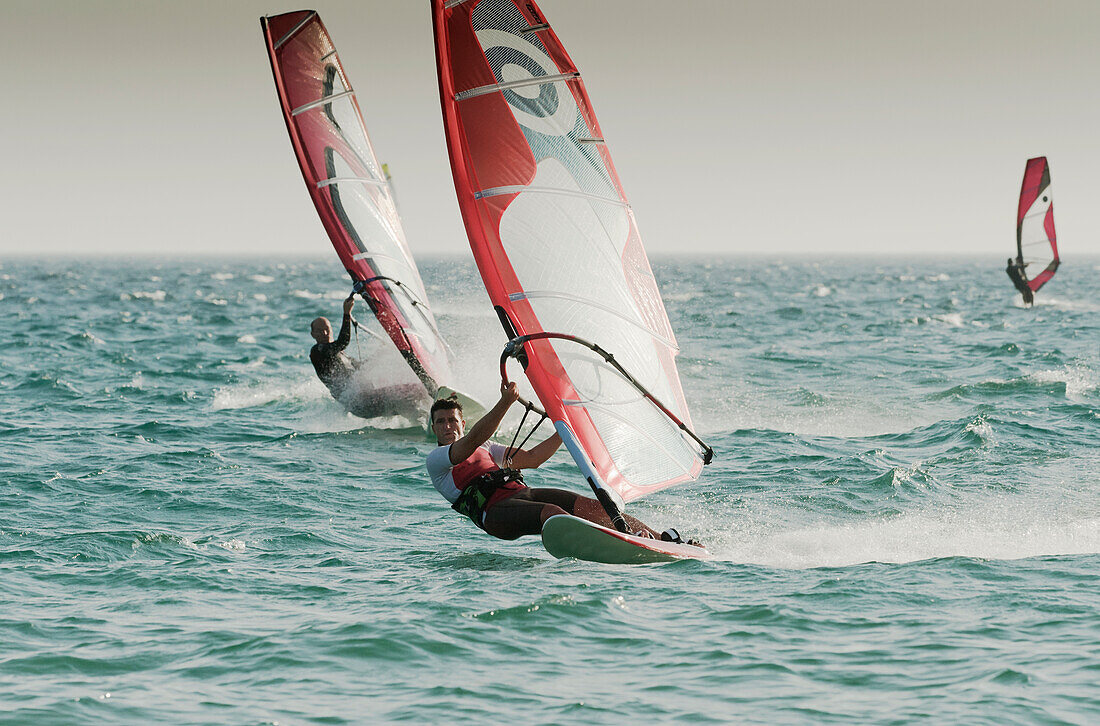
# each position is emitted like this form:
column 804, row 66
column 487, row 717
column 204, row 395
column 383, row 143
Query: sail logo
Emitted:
column 538, row 95
column 537, row 106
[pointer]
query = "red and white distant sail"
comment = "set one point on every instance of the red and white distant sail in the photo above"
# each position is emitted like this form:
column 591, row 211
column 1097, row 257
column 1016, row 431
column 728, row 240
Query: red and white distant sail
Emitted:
column 556, row 243
column 349, row 187
column 1036, row 241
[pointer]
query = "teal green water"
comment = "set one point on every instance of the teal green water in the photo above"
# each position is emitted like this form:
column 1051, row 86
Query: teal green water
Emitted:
column 905, row 509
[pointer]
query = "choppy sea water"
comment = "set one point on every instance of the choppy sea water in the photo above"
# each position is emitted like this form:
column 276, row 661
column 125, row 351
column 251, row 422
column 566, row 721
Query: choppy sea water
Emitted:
column 905, row 509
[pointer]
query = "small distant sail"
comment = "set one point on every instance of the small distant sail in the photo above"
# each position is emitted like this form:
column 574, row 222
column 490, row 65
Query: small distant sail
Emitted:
column 1036, row 242
column 350, row 188
column 557, row 246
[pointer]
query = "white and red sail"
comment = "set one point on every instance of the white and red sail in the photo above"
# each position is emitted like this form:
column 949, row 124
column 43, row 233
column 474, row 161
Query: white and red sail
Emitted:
column 556, row 243
column 350, row 189
column 1036, row 241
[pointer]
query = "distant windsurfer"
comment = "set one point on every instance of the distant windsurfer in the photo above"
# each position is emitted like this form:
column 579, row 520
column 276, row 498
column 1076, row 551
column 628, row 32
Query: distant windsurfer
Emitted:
column 475, row 476
column 339, row 374
column 1016, row 273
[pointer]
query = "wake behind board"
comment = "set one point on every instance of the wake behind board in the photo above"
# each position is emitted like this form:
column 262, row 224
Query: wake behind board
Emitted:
column 471, row 409
column 564, row 535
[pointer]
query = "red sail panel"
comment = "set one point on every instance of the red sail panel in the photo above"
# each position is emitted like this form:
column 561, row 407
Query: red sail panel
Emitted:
column 556, row 242
column 1036, row 241
column 349, row 187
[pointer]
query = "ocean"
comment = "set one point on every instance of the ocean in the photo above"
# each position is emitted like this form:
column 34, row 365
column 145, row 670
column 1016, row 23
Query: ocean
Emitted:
column 904, row 508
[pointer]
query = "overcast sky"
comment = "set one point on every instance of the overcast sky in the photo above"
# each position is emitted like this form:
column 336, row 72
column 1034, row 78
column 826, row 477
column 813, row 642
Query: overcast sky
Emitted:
column 809, row 127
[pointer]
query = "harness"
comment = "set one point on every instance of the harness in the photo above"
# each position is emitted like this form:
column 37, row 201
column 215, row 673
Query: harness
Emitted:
column 473, row 499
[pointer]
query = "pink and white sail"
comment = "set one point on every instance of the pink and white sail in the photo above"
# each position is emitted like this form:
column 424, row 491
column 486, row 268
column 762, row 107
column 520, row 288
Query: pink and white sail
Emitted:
column 556, row 242
column 1036, row 241
column 349, row 188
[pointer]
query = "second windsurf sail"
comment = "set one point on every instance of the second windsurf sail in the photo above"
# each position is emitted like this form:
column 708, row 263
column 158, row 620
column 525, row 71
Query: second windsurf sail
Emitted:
column 350, row 189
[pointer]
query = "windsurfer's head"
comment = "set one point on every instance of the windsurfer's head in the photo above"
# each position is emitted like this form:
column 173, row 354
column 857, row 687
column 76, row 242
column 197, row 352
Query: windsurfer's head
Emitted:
column 321, row 330
column 448, row 424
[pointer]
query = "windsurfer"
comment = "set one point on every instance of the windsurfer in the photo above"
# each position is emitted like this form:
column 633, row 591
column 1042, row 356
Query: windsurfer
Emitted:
column 338, row 372
column 1016, row 273
column 474, row 474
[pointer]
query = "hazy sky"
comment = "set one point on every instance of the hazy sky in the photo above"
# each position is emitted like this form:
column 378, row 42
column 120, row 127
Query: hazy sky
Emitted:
column 814, row 127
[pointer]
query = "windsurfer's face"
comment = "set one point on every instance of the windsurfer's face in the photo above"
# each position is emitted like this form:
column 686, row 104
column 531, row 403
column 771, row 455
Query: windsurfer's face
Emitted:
column 321, row 330
column 448, row 426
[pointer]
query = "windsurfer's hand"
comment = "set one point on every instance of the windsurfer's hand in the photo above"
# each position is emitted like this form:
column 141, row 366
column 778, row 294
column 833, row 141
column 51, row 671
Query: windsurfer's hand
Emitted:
column 509, row 392
column 349, row 304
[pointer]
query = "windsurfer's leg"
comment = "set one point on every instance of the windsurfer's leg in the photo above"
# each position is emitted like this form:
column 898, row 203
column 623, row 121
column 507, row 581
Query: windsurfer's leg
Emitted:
column 562, row 498
column 518, row 516
column 524, row 513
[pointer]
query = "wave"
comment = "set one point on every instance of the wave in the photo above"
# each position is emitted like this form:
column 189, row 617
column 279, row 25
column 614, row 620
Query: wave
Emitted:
column 1042, row 301
column 1072, row 381
column 317, row 412
column 262, row 393
column 1005, row 528
column 246, row 365
column 955, row 320
column 330, row 295
column 807, row 412
column 1079, row 380
column 45, row 382
column 156, row 295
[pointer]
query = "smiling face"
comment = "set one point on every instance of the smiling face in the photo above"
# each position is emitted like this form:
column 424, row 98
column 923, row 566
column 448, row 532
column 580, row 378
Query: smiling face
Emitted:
column 448, row 425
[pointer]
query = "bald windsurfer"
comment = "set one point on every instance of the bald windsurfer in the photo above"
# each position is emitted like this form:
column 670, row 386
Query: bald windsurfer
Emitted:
column 339, row 373
column 481, row 480
column 1016, row 273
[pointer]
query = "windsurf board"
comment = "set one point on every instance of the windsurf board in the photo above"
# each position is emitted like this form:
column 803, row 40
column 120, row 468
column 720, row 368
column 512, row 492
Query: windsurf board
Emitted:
column 564, row 535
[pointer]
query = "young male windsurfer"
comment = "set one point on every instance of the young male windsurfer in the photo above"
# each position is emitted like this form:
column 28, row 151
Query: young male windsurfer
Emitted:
column 473, row 474
column 338, row 372
column 1015, row 272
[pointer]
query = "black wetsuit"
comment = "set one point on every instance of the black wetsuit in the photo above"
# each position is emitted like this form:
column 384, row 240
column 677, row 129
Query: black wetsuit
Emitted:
column 333, row 367
column 336, row 370
column 1015, row 272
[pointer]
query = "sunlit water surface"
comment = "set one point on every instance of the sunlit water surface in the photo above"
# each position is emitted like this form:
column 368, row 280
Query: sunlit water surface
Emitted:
column 904, row 505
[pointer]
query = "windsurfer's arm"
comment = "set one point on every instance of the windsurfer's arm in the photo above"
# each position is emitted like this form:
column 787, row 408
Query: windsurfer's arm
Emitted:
column 486, row 426
column 536, row 456
column 344, row 338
